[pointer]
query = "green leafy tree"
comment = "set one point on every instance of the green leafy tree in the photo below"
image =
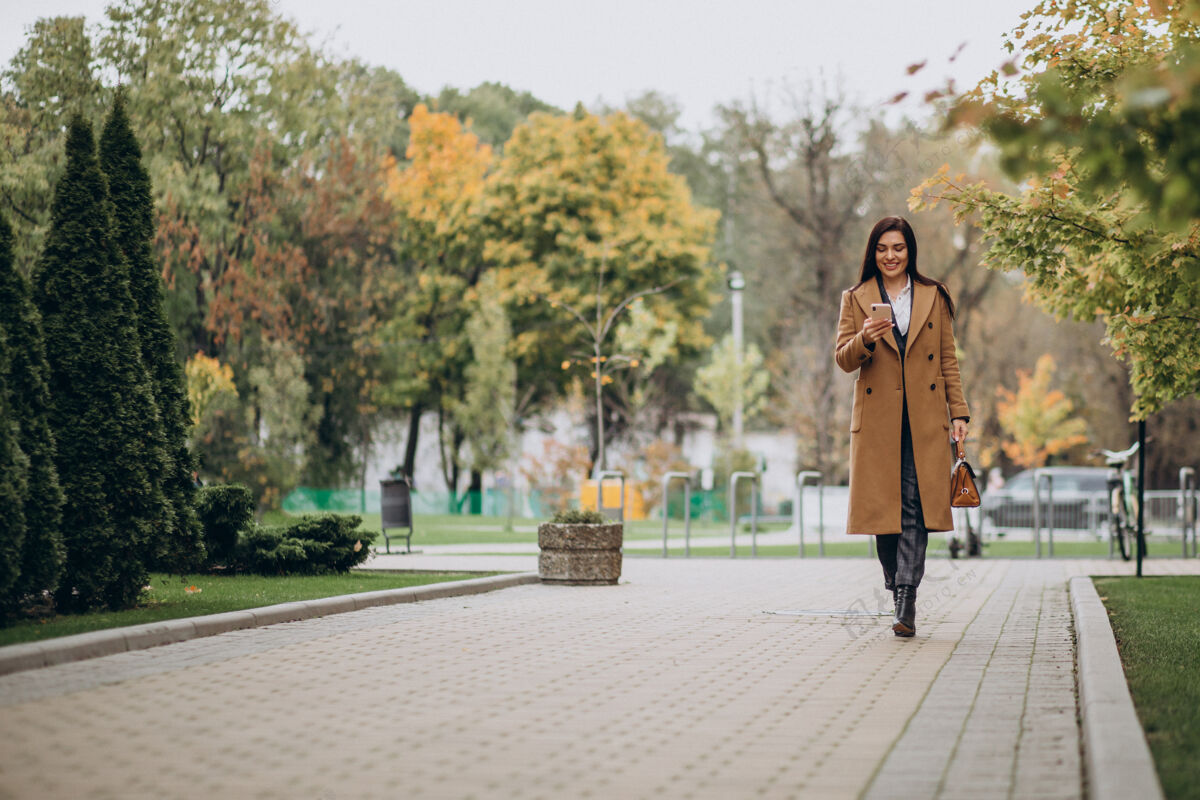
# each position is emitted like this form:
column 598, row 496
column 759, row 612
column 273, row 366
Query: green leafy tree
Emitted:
column 178, row 548
column 345, row 227
column 263, row 444
column 101, row 406
column 227, row 96
column 41, row 555
column 1106, row 225
column 718, row 380
column 50, row 78
column 491, row 110
column 485, row 412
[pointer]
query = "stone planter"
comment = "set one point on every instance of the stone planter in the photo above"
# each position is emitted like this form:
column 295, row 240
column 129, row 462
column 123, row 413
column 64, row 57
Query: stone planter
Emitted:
column 580, row 554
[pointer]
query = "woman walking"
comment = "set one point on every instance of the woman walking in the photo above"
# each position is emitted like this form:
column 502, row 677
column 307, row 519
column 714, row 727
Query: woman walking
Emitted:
column 908, row 406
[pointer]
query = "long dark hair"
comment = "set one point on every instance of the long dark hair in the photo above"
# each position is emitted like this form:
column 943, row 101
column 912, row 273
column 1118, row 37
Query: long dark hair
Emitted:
column 870, row 269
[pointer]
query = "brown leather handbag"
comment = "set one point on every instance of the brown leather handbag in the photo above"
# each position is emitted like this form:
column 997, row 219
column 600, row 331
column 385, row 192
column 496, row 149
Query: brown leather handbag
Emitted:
column 963, row 491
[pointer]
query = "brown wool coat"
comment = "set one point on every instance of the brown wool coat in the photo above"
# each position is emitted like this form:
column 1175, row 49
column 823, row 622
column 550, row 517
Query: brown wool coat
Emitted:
column 931, row 381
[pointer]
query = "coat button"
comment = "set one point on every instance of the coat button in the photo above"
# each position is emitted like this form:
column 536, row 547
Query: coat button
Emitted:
column 932, row 386
column 931, row 356
column 931, row 326
column 868, row 390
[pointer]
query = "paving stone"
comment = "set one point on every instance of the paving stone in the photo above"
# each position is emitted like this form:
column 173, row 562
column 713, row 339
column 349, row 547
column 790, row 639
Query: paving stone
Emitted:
column 675, row 682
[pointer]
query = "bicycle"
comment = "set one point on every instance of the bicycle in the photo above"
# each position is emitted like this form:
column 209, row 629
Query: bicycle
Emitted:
column 1122, row 499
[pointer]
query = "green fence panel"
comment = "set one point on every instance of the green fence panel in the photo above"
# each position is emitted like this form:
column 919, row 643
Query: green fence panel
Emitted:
column 490, row 502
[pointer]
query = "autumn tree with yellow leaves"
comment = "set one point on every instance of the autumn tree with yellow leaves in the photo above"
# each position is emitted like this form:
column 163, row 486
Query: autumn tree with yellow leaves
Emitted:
column 582, row 212
column 438, row 196
column 1038, row 420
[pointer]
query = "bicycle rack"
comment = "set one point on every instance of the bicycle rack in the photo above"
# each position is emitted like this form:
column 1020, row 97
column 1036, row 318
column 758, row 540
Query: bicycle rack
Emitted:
column 1187, row 507
column 686, row 477
column 1038, row 477
column 610, row 473
column 733, row 481
column 798, row 508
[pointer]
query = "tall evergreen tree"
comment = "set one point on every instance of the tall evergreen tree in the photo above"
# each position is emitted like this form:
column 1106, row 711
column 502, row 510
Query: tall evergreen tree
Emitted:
column 14, row 468
column 180, row 547
column 102, row 410
column 41, row 559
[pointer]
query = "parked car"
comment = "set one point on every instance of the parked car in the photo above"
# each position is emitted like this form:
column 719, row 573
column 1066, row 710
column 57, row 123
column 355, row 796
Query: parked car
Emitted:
column 1080, row 496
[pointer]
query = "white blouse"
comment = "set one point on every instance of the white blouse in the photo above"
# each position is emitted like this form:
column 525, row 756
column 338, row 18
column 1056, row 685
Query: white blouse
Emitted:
column 902, row 307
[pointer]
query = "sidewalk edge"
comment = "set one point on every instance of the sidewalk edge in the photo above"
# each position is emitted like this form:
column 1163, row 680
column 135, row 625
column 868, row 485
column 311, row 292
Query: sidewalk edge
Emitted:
column 1117, row 759
column 65, row 649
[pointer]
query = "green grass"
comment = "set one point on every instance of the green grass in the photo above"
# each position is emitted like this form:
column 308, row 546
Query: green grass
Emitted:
column 169, row 599
column 652, row 529
column 1009, row 549
column 1157, row 625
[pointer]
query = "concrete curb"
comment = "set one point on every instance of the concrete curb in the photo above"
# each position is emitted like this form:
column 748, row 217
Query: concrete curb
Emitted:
column 1117, row 759
column 31, row 655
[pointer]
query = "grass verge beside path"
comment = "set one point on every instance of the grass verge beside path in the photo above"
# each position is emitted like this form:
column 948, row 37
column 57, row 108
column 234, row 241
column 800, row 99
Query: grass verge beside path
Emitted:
column 169, row 598
column 1157, row 625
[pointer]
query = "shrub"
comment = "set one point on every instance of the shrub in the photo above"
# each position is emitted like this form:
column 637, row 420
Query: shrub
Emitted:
column 224, row 511
column 312, row 545
column 268, row 550
column 579, row 516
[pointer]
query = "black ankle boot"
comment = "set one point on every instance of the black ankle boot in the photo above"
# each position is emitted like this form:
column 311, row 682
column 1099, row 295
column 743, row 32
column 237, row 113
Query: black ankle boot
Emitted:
column 905, row 623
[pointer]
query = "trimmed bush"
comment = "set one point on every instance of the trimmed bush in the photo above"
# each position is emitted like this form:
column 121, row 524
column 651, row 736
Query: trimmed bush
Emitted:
column 177, row 546
column 224, row 512
column 312, row 545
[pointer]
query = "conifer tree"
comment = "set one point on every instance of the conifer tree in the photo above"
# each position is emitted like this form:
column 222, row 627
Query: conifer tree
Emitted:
column 179, row 548
column 41, row 558
column 14, row 467
column 102, row 411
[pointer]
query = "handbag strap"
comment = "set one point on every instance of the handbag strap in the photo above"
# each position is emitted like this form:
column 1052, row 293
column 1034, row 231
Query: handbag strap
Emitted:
column 962, row 452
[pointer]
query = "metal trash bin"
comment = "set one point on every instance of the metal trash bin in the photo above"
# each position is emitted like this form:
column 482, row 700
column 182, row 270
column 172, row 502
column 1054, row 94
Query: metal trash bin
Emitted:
column 395, row 500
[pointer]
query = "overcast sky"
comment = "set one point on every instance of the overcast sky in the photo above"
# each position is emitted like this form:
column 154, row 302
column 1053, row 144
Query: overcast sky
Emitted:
column 701, row 52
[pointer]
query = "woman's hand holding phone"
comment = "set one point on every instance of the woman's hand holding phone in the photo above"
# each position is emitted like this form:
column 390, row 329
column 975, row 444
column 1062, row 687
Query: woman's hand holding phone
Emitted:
column 878, row 323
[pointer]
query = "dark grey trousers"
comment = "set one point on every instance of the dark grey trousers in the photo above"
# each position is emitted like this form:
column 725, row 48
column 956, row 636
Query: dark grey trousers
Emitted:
column 902, row 555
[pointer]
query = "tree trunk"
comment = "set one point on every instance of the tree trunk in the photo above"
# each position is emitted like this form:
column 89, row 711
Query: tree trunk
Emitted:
column 475, row 492
column 410, row 446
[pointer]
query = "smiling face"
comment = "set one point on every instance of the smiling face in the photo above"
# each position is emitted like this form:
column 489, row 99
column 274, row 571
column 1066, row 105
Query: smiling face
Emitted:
column 891, row 255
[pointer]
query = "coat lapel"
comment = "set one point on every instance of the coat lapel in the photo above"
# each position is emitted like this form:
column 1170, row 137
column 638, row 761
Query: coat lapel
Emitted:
column 867, row 294
column 922, row 304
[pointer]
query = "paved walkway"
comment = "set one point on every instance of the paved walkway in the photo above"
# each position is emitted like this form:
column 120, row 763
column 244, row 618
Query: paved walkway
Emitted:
column 693, row 679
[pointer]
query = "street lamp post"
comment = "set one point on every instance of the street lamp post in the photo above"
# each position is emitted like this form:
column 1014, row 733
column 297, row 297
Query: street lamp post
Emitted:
column 597, row 332
column 736, row 284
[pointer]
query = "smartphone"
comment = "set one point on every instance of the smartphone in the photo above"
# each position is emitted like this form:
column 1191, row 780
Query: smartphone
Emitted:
column 881, row 311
